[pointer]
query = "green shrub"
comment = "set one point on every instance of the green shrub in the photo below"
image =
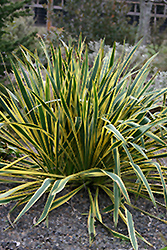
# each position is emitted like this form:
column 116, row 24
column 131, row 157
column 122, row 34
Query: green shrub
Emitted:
column 87, row 128
column 20, row 30
column 96, row 20
column 13, row 31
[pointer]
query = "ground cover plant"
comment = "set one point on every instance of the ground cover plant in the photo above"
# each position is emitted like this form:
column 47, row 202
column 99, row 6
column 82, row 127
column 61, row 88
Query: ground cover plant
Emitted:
column 99, row 128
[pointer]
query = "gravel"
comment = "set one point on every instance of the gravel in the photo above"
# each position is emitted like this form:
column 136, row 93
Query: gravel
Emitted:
column 67, row 227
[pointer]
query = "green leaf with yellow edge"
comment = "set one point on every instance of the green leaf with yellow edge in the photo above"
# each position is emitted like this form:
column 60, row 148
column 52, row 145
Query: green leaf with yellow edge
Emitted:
column 140, row 174
column 91, row 219
column 114, row 233
column 117, row 196
column 29, row 172
column 162, row 179
column 139, row 149
column 14, row 162
column 131, row 229
column 46, row 184
column 20, row 187
column 149, row 214
column 144, row 180
column 61, row 200
column 56, row 188
column 120, row 184
column 97, row 211
column 116, row 133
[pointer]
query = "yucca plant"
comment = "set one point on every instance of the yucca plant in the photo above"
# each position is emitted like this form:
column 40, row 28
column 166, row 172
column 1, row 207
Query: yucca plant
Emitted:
column 84, row 127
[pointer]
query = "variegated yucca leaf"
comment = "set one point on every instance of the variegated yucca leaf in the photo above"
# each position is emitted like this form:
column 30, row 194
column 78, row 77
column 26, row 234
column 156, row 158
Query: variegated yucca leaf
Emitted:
column 98, row 127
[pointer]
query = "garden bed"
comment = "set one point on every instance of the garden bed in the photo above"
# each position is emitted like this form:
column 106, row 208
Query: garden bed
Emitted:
column 67, row 227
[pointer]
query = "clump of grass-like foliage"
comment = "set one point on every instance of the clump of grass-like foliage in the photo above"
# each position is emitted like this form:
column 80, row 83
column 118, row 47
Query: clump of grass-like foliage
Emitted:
column 84, row 127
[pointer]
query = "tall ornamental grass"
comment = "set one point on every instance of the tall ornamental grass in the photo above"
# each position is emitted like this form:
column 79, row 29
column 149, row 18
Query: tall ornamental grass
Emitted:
column 98, row 128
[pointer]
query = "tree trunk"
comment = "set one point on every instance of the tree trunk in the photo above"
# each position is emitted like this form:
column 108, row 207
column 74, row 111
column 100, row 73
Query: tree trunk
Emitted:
column 144, row 22
column 49, row 15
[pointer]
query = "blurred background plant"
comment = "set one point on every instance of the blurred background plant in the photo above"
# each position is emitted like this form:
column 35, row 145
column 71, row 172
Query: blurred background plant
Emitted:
column 21, row 31
column 96, row 20
column 161, row 80
column 161, row 60
column 18, row 28
column 12, row 29
column 138, row 59
column 142, row 54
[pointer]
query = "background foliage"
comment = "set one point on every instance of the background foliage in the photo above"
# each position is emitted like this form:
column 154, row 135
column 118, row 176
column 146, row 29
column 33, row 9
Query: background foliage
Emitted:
column 96, row 20
column 10, row 36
